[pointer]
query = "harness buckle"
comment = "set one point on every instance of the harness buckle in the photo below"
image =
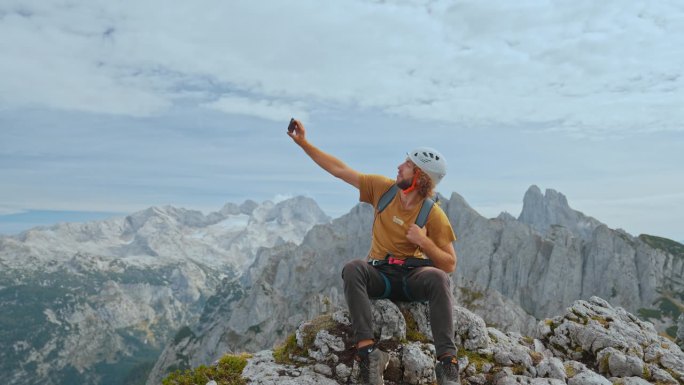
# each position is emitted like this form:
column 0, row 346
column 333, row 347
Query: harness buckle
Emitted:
column 395, row 261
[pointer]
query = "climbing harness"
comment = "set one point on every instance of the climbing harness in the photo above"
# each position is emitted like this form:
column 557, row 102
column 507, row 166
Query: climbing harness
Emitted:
column 393, row 270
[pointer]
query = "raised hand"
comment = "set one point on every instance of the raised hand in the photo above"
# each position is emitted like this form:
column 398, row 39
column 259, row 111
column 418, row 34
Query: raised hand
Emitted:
column 298, row 134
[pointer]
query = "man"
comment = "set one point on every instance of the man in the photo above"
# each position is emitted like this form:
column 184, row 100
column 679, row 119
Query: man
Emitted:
column 406, row 261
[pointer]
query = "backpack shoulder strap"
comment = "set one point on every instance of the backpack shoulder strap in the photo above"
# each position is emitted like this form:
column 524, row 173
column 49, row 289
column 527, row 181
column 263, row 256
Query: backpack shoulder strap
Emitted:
column 387, row 197
column 424, row 212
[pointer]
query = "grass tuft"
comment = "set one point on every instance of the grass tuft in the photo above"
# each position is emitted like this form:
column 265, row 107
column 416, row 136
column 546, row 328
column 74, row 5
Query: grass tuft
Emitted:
column 228, row 371
column 412, row 332
column 282, row 354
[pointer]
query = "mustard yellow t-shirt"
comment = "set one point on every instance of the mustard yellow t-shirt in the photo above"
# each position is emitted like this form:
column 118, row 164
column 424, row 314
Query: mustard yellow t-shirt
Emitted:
column 391, row 226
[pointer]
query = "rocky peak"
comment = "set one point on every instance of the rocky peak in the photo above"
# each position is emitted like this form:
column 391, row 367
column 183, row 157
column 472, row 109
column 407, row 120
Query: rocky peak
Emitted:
column 295, row 210
column 506, row 217
column 168, row 217
column 591, row 343
column 542, row 212
column 248, row 206
column 229, row 209
column 228, row 236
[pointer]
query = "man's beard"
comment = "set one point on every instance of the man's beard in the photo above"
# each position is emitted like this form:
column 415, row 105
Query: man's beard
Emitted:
column 404, row 184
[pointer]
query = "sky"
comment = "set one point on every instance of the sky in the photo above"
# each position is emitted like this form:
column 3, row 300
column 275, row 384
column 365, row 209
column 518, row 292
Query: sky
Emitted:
column 107, row 108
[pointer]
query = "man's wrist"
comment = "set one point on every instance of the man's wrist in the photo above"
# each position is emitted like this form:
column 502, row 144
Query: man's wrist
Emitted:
column 304, row 144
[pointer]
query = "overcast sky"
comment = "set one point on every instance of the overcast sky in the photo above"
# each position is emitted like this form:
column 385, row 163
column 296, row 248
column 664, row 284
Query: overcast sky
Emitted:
column 114, row 106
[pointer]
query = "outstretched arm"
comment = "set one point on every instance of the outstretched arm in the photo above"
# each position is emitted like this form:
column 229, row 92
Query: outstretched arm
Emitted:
column 327, row 162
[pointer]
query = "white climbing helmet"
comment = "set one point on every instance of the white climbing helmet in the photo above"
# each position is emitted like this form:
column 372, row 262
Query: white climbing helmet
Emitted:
column 430, row 161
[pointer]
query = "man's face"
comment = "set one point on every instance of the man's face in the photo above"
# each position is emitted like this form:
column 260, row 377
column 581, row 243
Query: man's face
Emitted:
column 405, row 174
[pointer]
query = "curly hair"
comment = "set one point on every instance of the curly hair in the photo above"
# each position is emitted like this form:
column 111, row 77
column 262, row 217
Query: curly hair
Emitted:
column 424, row 186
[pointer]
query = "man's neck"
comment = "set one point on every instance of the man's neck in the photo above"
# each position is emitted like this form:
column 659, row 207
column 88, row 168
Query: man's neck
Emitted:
column 409, row 200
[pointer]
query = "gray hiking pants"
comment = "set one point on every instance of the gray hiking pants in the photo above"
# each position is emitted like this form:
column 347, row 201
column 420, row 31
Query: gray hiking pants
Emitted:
column 363, row 282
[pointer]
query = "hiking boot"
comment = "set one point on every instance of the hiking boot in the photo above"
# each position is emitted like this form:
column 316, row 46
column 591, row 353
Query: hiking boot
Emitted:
column 446, row 371
column 372, row 363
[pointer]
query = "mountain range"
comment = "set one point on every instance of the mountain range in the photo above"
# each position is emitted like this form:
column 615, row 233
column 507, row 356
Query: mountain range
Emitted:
column 96, row 302
column 110, row 302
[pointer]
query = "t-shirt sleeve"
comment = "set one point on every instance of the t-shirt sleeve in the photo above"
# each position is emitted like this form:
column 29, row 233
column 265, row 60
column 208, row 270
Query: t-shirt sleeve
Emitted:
column 371, row 188
column 439, row 228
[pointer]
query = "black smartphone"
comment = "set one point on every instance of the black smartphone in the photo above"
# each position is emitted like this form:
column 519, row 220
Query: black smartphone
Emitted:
column 291, row 127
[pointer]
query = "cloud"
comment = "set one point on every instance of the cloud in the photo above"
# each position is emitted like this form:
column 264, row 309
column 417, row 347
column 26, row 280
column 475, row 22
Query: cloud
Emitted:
column 282, row 197
column 9, row 210
column 265, row 109
column 56, row 60
column 584, row 68
column 116, row 106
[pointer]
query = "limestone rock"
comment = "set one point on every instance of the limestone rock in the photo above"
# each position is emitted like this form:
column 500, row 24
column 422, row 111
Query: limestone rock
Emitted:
column 629, row 381
column 524, row 380
column 615, row 341
column 470, row 330
column 552, row 367
column 588, row 378
column 553, row 255
column 417, row 316
column 680, row 331
column 262, row 369
column 615, row 363
column 388, row 323
column 495, row 309
column 418, row 362
column 542, row 212
column 329, row 342
column 324, row 351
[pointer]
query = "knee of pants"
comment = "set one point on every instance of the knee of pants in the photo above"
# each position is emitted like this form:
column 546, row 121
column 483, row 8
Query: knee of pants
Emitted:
column 353, row 269
column 438, row 278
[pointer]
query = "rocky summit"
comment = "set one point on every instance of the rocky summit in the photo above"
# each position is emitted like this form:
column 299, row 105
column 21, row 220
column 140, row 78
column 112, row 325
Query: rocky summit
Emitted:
column 590, row 343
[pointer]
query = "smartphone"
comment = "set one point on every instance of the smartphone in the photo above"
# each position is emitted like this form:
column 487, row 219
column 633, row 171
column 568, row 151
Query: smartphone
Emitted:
column 291, row 127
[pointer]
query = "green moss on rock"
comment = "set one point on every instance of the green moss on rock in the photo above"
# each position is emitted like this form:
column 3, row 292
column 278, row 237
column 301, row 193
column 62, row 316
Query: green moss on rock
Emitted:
column 412, row 332
column 283, row 353
column 664, row 244
column 570, row 371
column 228, row 371
column 476, row 358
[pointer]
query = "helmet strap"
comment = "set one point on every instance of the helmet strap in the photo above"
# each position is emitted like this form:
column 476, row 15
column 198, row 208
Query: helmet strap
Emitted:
column 414, row 184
